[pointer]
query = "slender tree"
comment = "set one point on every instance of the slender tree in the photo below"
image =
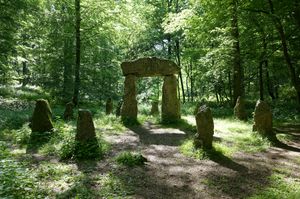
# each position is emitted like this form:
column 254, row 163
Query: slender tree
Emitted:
column 238, row 72
column 77, row 60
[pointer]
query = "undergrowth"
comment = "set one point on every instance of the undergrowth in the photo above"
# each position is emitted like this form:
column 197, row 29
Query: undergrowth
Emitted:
column 130, row 159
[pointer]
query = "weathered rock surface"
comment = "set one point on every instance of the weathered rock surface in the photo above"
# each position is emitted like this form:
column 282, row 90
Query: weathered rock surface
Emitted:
column 42, row 117
column 205, row 128
column 149, row 66
column 68, row 114
column 129, row 107
column 170, row 110
column 240, row 109
column 87, row 146
column 85, row 126
column 263, row 119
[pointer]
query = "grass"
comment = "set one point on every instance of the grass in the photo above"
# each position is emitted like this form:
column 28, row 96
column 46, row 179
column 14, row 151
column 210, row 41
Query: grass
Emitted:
column 280, row 188
column 24, row 176
column 29, row 93
column 130, row 159
column 231, row 136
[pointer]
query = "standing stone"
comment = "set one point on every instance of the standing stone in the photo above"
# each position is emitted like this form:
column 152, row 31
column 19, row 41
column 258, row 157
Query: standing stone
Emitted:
column 85, row 126
column 239, row 109
column 109, row 106
column 170, row 109
column 41, row 118
column 263, row 119
column 202, row 102
column 129, row 108
column 87, row 146
column 205, row 128
column 68, row 114
column 154, row 108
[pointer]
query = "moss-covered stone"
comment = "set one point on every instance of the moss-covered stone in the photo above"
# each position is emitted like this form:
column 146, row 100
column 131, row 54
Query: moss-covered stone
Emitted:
column 263, row 119
column 42, row 117
column 205, row 128
column 129, row 107
column 240, row 109
column 86, row 145
column 170, row 109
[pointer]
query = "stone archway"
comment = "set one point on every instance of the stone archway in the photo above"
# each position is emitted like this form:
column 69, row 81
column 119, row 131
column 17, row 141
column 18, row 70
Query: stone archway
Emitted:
column 149, row 67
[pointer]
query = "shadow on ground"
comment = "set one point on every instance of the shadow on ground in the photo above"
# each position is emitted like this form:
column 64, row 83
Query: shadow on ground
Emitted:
column 292, row 130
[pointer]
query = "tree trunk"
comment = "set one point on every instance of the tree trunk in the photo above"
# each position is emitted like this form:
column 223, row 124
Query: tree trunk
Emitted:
column 25, row 73
column 297, row 12
column 77, row 62
column 67, row 72
column 191, row 81
column 179, row 64
column 230, row 87
column 261, row 84
column 238, row 73
column 269, row 82
column 294, row 77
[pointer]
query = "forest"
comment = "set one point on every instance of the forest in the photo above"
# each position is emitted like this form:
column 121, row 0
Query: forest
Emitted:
column 150, row 99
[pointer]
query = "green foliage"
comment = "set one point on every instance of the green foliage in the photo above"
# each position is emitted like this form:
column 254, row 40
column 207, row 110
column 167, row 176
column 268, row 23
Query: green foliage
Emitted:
column 130, row 159
column 109, row 123
column 16, row 180
column 114, row 187
column 188, row 149
column 88, row 149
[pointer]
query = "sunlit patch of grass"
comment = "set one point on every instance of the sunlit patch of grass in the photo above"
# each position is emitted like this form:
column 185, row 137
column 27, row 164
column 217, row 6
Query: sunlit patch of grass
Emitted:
column 29, row 93
column 284, row 137
column 280, row 188
column 235, row 136
column 109, row 123
column 224, row 149
column 188, row 149
column 149, row 118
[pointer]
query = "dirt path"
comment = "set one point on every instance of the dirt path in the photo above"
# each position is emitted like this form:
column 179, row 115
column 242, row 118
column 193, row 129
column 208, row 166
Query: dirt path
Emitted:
column 169, row 174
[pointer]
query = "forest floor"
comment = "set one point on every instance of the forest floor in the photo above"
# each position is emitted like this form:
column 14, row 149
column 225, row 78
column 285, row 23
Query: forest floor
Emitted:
column 170, row 174
column 243, row 165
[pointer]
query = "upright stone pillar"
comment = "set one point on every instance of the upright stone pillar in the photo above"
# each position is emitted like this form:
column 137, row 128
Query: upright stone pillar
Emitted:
column 205, row 128
column 240, row 109
column 129, row 107
column 170, row 109
column 41, row 118
column 86, row 145
column 263, row 122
